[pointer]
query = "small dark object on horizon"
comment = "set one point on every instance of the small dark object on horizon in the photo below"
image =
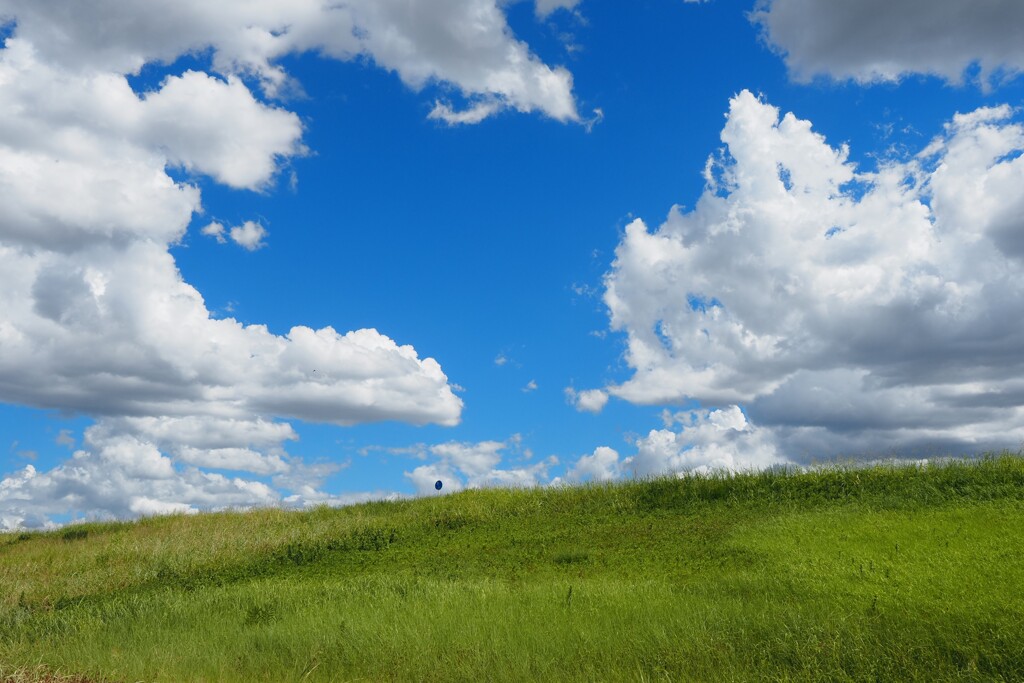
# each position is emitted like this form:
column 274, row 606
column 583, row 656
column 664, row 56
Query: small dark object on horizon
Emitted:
column 437, row 484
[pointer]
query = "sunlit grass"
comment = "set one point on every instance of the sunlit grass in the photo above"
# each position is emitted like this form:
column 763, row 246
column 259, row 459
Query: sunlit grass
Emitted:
column 891, row 573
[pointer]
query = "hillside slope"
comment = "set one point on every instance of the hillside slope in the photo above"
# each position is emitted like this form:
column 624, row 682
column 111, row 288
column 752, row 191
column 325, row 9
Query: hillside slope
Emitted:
column 886, row 573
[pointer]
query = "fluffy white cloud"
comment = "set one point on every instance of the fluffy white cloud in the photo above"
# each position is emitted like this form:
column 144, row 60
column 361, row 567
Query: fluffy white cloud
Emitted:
column 131, row 466
column 516, row 477
column 115, row 330
column 472, row 459
column 423, row 478
column 588, row 400
column 476, row 465
column 466, row 44
column 715, row 440
column 882, row 40
column 215, row 230
column 601, row 465
column 218, row 128
column 243, row 459
column 120, row 477
column 197, row 432
column 847, row 310
column 77, row 163
column 249, row 235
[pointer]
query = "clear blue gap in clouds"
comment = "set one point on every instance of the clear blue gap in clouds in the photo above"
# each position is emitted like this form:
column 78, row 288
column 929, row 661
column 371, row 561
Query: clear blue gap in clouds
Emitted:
column 34, row 437
column 475, row 241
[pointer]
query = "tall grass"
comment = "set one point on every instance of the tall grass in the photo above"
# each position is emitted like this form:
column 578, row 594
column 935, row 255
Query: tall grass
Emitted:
column 881, row 573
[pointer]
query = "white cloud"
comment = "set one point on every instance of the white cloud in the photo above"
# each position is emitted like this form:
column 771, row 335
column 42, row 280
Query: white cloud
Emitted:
column 219, row 129
column 97, row 483
column 847, row 310
column 115, row 330
column 215, row 230
column 479, row 111
column 249, row 235
column 589, row 400
column 464, row 44
column 545, row 7
column 883, row 40
column 316, row 498
column 132, row 466
column 143, row 506
column 424, row 477
column 601, row 465
column 530, row 386
column 476, row 465
column 134, row 458
column 518, row 477
column 243, row 459
column 80, row 141
column 715, row 440
column 472, row 459
column 199, row 432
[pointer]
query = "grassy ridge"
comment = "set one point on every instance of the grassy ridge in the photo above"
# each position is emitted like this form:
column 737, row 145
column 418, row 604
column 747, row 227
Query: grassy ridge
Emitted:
column 882, row 573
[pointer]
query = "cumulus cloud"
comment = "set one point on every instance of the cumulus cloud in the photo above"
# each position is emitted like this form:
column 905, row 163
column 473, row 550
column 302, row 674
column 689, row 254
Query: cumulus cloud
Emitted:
column 696, row 442
column 847, row 310
column 707, row 441
column 120, row 475
column 601, row 465
column 476, row 465
column 218, row 128
column 588, row 400
column 215, row 230
column 472, row 459
column 465, row 44
column 116, row 331
column 96, row 318
column 883, row 40
column 249, row 235
column 131, row 466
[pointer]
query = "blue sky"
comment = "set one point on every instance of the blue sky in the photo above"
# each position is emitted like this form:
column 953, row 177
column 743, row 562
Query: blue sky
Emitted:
column 490, row 246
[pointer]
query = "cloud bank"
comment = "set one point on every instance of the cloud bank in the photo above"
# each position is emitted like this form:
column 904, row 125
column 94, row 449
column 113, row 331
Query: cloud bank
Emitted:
column 848, row 311
column 882, row 40
column 465, row 45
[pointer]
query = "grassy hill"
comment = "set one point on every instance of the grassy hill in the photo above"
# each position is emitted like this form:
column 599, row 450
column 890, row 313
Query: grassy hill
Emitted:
column 883, row 573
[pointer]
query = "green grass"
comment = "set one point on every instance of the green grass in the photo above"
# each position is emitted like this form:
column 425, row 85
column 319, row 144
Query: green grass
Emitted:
column 884, row 573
